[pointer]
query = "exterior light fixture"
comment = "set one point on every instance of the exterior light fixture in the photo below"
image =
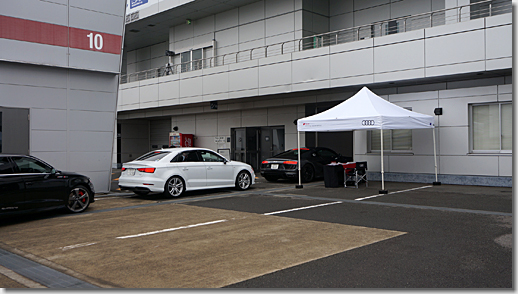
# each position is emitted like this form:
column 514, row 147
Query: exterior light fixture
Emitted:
column 188, row 21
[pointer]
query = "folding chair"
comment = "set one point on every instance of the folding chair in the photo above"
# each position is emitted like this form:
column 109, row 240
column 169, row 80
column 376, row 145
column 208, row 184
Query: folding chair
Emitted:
column 356, row 172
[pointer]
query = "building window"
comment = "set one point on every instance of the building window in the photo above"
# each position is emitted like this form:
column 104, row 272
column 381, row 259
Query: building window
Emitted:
column 491, row 127
column 393, row 140
column 193, row 59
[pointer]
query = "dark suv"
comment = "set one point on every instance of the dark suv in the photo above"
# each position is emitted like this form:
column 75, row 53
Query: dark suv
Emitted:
column 29, row 184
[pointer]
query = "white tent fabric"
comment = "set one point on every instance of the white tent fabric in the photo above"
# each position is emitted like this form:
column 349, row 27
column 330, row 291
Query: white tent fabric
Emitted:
column 366, row 111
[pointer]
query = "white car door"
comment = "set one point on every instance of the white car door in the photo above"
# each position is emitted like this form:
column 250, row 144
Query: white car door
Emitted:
column 219, row 173
column 192, row 168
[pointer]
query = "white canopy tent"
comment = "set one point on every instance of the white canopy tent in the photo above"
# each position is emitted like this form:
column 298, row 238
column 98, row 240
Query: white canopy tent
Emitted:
column 366, row 111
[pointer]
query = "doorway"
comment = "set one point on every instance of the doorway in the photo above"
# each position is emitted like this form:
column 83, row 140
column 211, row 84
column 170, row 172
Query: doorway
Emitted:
column 254, row 144
column 14, row 130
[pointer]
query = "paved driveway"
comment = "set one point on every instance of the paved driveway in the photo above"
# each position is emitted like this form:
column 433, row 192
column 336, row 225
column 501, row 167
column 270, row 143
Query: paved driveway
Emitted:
column 272, row 236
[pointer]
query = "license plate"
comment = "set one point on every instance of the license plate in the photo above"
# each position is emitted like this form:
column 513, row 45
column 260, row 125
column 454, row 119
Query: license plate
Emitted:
column 130, row 171
column 275, row 166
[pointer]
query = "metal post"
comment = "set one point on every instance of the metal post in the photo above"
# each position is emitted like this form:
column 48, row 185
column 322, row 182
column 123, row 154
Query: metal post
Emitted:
column 382, row 191
column 435, row 158
column 299, row 186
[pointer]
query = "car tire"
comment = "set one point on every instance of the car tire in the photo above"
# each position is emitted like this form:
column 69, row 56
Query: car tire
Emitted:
column 271, row 178
column 78, row 199
column 174, row 187
column 243, row 180
column 307, row 173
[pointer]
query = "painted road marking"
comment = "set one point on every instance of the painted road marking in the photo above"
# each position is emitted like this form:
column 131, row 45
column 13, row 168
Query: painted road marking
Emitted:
column 76, row 246
column 378, row 195
column 172, row 229
column 302, row 208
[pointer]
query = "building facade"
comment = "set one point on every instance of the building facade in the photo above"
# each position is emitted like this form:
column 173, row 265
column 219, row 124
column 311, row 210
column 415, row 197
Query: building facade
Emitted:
column 60, row 63
column 238, row 74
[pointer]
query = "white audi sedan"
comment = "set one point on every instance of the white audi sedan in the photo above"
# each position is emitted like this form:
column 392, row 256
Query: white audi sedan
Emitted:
column 173, row 171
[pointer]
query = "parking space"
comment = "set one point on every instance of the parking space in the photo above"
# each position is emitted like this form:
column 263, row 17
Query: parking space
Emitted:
column 275, row 235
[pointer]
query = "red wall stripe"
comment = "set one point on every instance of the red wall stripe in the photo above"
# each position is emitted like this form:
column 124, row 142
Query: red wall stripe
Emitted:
column 57, row 35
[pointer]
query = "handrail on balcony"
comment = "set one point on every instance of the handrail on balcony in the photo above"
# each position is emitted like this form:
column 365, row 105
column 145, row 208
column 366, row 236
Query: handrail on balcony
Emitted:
column 332, row 38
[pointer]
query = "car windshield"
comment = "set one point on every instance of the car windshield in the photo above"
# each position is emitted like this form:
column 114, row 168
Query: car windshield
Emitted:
column 292, row 154
column 153, row 156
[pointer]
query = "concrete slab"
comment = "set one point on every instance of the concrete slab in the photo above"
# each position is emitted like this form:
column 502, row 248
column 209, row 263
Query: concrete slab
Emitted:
column 204, row 247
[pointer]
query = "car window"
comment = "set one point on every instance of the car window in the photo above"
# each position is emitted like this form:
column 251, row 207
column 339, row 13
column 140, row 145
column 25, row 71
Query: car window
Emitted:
column 6, row 167
column 186, row 156
column 208, row 156
column 153, row 156
column 292, row 154
column 325, row 153
column 30, row 165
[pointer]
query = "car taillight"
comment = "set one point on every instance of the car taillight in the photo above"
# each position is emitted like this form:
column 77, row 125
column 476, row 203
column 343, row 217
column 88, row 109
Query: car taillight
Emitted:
column 264, row 162
column 146, row 169
column 123, row 169
column 289, row 162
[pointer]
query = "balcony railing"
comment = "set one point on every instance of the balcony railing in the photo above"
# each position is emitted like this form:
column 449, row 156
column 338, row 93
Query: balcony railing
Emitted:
column 387, row 27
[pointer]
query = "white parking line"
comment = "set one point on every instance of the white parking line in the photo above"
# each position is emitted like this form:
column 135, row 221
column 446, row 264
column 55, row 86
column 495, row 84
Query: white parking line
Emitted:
column 172, row 229
column 301, row 208
column 374, row 196
column 76, row 246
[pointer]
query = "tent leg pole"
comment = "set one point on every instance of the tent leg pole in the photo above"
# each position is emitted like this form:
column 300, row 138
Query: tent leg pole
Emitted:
column 299, row 186
column 435, row 158
column 382, row 191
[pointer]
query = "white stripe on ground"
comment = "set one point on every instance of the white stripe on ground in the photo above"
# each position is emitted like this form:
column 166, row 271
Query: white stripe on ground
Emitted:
column 172, row 229
column 374, row 196
column 301, row 208
column 19, row 279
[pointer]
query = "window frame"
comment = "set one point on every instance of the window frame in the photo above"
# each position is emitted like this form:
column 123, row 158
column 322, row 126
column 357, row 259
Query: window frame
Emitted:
column 391, row 150
column 472, row 129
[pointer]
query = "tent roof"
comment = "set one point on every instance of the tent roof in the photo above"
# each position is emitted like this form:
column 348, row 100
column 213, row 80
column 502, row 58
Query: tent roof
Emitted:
column 364, row 111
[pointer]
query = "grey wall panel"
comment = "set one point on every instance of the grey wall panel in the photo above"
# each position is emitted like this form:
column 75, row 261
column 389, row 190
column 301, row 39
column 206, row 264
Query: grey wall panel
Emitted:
column 251, row 31
column 456, row 48
column 499, row 42
column 90, row 141
column 103, row 6
column 459, row 135
column 280, row 24
column 257, row 45
column 24, row 51
column 49, row 119
column 227, row 19
column 191, row 87
column 359, row 62
column 275, row 7
column 148, row 93
column 251, row 12
column 311, row 69
column 363, row 4
column 50, row 141
column 275, row 75
column 91, row 121
column 371, row 15
column 337, row 7
column 226, row 38
column 93, row 81
column 44, row 11
column 94, row 60
column 204, row 26
column 169, row 90
column 29, row 75
column 29, row 97
column 183, row 32
column 96, row 21
column 390, row 58
column 409, row 7
column 243, row 79
column 92, row 101
column 216, row 83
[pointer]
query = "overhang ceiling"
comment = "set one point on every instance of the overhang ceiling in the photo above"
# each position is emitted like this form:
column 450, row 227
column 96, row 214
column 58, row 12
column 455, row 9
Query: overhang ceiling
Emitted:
column 155, row 29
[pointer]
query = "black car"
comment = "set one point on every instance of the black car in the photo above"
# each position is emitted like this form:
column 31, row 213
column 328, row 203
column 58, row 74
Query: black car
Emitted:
column 312, row 161
column 29, row 184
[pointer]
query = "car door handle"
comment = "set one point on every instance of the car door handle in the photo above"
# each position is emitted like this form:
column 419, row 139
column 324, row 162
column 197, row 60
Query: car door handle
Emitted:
column 185, row 168
column 209, row 168
column 29, row 183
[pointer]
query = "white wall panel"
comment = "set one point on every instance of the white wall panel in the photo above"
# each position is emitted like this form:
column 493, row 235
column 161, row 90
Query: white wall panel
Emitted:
column 243, row 79
column 477, row 165
column 90, row 100
column 275, row 74
column 251, row 12
column 251, row 31
column 204, row 26
column 43, row 11
column 216, row 83
column 191, row 87
column 226, row 37
column 280, row 24
column 410, row 164
column 311, row 69
column 110, row 7
column 454, row 141
column 55, row 141
column 456, row 48
column 96, row 21
column 32, row 97
column 98, row 61
column 91, row 121
column 47, row 54
column 505, row 166
column 227, row 19
column 148, row 93
column 499, row 42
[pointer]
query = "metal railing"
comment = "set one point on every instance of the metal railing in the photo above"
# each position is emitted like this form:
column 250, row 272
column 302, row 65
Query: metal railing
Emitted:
column 397, row 25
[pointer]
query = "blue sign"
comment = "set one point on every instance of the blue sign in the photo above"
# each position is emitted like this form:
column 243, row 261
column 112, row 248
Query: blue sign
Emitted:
column 135, row 3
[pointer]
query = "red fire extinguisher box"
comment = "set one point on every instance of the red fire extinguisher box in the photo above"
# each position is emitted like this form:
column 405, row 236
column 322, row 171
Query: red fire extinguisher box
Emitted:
column 181, row 140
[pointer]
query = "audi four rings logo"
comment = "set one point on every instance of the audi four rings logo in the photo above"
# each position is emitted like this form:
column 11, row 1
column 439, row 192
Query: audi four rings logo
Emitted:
column 368, row 123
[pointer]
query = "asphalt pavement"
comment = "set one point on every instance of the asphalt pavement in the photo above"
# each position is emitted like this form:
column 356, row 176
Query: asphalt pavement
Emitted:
column 418, row 236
